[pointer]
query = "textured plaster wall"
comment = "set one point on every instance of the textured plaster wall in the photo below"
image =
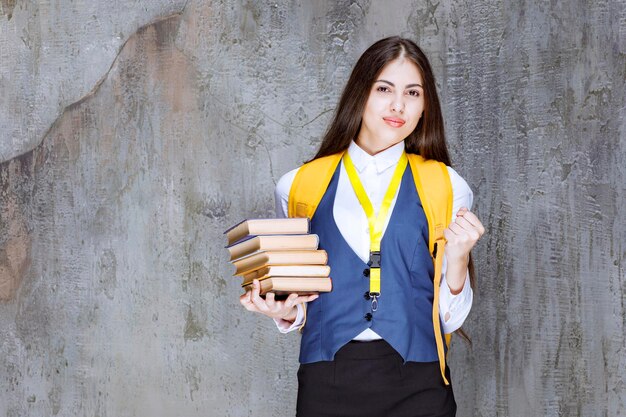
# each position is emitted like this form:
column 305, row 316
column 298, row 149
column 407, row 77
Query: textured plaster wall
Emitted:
column 53, row 53
column 134, row 133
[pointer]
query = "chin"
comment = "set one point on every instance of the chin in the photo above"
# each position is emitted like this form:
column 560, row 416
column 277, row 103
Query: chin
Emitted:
column 391, row 138
column 392, row 141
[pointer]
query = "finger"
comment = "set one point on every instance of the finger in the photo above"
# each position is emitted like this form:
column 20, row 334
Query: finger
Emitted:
column 245, row 301
column 471, row 217
column 456, row 229
column 465, row 224
column 270, row 300
column 305, row 298
column 290, row 300
column 465, row 231
column 245, row 297
column 462, row 211
column 312, row 297
column 251, row 307
column 256, row 297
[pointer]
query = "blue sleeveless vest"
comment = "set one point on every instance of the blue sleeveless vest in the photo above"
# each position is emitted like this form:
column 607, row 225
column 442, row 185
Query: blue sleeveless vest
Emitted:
column 404, row 315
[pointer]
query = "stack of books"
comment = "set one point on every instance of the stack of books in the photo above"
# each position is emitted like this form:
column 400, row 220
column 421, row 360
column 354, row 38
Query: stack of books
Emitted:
column 281, row 253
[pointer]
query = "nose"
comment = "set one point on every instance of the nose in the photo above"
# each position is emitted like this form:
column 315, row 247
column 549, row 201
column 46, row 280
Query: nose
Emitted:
column 397, row 106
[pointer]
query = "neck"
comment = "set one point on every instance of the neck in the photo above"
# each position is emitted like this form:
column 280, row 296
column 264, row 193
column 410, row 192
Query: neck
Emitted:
column 371, row 148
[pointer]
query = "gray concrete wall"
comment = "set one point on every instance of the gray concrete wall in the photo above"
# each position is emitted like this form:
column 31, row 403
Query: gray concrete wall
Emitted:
column 133, row 134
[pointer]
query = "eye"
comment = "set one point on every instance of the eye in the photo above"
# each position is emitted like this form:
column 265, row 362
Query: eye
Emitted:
column 382, row 88
column 414, row 93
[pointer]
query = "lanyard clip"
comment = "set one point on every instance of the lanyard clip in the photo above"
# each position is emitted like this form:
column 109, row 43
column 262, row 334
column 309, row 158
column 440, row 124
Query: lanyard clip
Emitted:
column 374, row 296
column 374, row 261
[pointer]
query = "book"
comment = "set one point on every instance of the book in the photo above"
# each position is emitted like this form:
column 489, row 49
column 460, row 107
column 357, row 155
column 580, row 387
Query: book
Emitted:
column 272, row 242
column 291, row 257
column 287, row 271
column 252, row 227
column 283, row 286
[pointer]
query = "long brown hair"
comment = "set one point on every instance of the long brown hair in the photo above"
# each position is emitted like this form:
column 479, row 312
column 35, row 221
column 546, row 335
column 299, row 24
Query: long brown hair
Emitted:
column 428, row 139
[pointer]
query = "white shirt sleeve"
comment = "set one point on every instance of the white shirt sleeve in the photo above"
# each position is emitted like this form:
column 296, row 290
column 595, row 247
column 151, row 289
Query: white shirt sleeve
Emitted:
column 281, row 196
column 454, row 309
column 285, row 327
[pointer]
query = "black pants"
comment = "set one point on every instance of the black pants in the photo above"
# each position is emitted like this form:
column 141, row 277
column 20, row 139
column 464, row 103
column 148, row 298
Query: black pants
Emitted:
column 369, row 379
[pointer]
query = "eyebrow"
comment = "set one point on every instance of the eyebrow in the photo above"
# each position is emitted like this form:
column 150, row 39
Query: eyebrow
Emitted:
column 393, row 85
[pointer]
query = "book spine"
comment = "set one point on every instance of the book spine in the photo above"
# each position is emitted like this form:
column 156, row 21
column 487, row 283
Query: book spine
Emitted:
column 238, row 232
column 251, row 275
column 246, row 247
column 251, row 263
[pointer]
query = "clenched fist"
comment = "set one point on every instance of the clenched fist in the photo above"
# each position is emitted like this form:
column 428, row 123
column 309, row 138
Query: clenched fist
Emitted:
column 461, row 236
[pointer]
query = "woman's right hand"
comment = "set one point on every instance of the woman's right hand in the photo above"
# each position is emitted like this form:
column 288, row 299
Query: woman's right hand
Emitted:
column 285, row 310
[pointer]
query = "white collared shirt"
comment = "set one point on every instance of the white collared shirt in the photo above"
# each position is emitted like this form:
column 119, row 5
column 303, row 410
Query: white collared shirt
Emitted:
column 375, row 172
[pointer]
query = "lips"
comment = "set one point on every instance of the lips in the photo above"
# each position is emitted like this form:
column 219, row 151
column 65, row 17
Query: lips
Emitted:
column 394, row 121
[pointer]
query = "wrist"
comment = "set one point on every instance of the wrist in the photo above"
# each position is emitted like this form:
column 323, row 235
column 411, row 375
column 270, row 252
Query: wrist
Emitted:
column 454, row 290
column 455, row 275
column 459, row 260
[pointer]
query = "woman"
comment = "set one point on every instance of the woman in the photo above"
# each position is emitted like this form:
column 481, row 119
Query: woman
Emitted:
column 376, row 353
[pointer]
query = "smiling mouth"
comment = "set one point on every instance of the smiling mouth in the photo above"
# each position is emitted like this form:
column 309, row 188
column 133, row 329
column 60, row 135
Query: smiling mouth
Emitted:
column 391, row 121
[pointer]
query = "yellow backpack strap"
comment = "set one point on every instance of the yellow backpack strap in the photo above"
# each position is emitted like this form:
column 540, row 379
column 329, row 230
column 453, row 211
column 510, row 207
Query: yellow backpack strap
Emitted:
column 435, row 191
column 310, row 184
column 308, row 188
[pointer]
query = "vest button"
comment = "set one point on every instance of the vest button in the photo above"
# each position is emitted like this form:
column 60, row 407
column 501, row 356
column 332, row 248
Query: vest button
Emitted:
column 368, row 317
column 366, row 272
column 367, row 295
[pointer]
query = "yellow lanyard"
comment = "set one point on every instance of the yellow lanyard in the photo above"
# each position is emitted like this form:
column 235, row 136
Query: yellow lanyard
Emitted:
column 375, row 222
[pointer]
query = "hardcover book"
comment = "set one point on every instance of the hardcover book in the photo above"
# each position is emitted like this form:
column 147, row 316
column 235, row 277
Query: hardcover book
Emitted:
column 283, row 286
column 303, row 271
column 291, row 257
column 272, row 242
column 252, row 227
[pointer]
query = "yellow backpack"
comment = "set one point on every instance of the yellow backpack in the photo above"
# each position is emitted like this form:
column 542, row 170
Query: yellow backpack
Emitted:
column 435, row 192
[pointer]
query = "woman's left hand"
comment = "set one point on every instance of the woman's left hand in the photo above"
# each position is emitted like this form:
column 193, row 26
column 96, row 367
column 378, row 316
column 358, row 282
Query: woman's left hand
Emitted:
column 462, row 235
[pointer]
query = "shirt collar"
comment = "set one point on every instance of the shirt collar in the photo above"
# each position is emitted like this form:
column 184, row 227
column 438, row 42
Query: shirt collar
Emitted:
column 382, row 160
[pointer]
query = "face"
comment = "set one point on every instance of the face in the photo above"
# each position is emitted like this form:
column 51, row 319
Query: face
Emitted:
column 394, row 106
